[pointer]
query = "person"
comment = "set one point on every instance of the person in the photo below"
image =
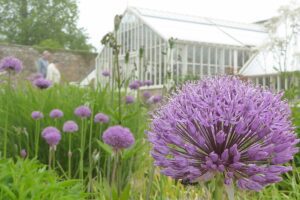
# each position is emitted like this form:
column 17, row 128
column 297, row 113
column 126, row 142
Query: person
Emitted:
column 42, row 63
column 53, row 73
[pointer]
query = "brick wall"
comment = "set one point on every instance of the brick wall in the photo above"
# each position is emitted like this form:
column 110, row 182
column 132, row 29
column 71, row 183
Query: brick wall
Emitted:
column 73, row 66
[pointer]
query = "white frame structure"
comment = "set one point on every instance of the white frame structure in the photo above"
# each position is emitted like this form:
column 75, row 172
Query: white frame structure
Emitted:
column 187, row 58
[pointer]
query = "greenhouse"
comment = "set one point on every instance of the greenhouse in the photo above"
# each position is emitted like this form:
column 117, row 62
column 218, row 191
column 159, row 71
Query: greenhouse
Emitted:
column 159, row 43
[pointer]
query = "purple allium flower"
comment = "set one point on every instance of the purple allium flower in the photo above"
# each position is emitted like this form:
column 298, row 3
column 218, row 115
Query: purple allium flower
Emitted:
column 118, row 137
column 11, row 64
column 82, row 111
column 129, row 99
column 105, row 73
column 70, row 127
column 101, row 118
column 51, row 135
column 37, row 115
column 148, row 82
column 157, row 98
column 146, row 95
column 135, row 85
column 224, row 126
column 42, row 83
column 56, row 113
column 23, row 153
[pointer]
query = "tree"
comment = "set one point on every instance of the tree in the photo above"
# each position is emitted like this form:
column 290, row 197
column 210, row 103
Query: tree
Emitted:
column 32, row 22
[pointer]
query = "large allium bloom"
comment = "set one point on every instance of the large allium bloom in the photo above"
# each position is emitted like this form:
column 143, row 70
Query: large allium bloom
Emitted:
column 106, row 73
column 42, row 83
column 118, row 137
column 51, row 135
column 224, row 126
column 135, row 85
column 129, row 99
column 101, row 118
column 70, row 127
column 82, row 111
column 11, row 64
column 56, row 113
column 37, row 115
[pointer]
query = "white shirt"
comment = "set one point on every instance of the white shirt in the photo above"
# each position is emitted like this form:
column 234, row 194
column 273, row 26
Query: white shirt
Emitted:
column 53, row 73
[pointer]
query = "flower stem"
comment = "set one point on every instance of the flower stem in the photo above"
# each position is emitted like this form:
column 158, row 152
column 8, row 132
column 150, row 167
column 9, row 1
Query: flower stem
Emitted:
column 49, row 164
column 219, row 188
column 113, row 177
column 81, row 150
column 37, row 138
column 70, row 156
column 5, row 137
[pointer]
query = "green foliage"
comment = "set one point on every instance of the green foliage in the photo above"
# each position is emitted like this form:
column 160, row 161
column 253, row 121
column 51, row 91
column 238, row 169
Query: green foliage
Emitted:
column 18, row 103
column 28, row 179
column 30, row 22
column 50, row 43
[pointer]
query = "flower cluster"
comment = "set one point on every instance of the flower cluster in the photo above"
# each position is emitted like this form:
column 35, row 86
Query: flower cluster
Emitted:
column 101, row 118
column 11, row 64
column 224, row 126
column 70, row 127
column 118, row 137
column 37, row 115
column 135, row 85
column 42, row 83
column 106, row 73
column 56, row 113
column 129, row 99
column 83, row 111
column 51, row 135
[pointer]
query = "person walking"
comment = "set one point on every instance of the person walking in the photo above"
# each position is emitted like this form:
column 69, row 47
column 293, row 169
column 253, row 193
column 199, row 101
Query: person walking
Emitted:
column 53, row 73
column 42, row 63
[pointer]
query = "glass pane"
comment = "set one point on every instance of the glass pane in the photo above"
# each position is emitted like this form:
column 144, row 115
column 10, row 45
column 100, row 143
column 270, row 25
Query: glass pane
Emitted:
column 197, row 54
column 190, row 54
column 213, row 55
column 205, row 55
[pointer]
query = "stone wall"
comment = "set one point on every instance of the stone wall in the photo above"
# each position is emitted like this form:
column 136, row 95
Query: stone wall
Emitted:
column 73, row 65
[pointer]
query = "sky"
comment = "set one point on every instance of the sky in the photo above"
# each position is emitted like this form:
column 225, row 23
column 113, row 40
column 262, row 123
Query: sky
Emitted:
column 96, row 16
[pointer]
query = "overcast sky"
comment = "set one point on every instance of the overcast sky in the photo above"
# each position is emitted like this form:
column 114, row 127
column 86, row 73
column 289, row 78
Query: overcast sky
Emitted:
column 96, row 16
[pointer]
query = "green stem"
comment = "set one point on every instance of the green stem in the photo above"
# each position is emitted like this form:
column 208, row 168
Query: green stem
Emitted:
column 219, row 189
column 5, row 137
column 81, row 150
column 37, row 138
column 113, row 177
column 90, row 156
column 70, row 156
column 49, row 164
column 53, row 155
column 150, row 182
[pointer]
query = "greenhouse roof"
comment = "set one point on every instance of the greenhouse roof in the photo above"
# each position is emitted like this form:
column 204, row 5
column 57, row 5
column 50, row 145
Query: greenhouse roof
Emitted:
column 264, row 63
column 201, row 29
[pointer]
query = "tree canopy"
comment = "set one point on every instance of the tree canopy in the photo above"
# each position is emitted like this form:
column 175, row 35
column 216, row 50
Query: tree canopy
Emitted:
column 40, row 22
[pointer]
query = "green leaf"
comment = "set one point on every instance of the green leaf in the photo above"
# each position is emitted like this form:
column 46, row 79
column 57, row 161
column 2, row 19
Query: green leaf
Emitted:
column 105, row 147
column 125, row 193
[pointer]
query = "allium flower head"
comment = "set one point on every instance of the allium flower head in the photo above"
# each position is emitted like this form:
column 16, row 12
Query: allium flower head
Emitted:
column 118, row 137
column 51, row 135
column 148, row 82
column 135, row 85
column 11, row 64
column 146, row 95
column 42, row 83
column 56, row 113
column 157, row 98
column 34, row 77
column 82, row 111
column 224, row 126
column 129, row 99
column 101, row 118
column 70, row 127
column 106, row 73
column 37, row 115
column 23, row 153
